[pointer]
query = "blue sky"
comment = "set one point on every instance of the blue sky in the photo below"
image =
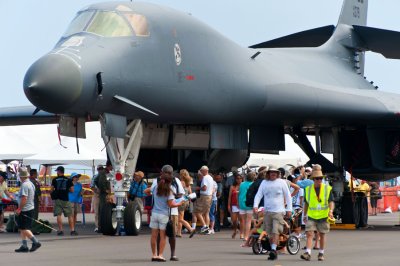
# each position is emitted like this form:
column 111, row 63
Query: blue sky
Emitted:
column 30, row 28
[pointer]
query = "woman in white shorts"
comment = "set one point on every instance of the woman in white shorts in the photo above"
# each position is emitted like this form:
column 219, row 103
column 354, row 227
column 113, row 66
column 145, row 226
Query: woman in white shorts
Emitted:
column 233, row 205
column 163, row 201
column 245, row 212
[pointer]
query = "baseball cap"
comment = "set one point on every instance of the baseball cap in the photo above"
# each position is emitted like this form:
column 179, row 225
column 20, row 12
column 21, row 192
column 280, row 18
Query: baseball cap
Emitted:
column 3, row 174
column 204, row 167
column 139, row 173
column 60, row 168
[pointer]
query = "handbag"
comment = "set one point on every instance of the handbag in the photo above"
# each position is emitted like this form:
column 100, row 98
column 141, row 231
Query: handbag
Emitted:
column 379, row 196
column 169, row 230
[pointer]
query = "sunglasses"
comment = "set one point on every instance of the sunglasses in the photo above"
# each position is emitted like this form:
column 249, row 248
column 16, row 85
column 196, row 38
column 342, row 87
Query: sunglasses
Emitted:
column 318, row 178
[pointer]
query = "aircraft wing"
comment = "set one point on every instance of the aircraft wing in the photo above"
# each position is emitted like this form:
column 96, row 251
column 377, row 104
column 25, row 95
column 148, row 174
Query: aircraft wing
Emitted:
column 308, row 38
column 23, row 115
column 385, row 42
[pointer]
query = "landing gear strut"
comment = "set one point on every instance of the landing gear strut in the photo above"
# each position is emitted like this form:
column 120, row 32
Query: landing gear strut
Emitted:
column 123, row 154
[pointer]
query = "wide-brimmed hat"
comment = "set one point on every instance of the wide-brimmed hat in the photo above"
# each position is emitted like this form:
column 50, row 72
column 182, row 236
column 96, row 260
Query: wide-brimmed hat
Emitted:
column 23, row 172
column 316, row 171
column 75, row 175
column 273, row 168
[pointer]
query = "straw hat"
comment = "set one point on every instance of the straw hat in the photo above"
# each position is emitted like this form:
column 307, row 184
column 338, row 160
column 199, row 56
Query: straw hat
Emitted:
column 23, row 172
column 273, row 168
column 316, row 171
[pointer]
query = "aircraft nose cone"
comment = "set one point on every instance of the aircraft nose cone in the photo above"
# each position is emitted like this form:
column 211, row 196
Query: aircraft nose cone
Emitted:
column 53, row 83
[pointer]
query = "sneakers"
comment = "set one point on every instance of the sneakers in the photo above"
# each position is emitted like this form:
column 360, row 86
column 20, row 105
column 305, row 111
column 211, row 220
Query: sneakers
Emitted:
column 22, row 249
column 204, row 229
column 60, row 233
column 35, row 246
column 273, row 255
column 211, row 232
column 96, row 230
column 74, row 233
column 321, row 257
column 306, row 256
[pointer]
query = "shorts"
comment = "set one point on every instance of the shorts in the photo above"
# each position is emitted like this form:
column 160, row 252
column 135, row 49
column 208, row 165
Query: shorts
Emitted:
column 373, row 201
column 139, row 202
column 322, row 226
column 158, row 221
column 24, row 220
column 234, row 208
column 213, row 211
column 62, row 207
column 76, row 207
column 245, row 211
column 183, row 207
column 202, row 204
column 274, row 222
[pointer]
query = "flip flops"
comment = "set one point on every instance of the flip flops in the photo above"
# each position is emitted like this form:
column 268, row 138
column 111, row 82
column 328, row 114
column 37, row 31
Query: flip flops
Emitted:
column 159, row 259
column 192, row 233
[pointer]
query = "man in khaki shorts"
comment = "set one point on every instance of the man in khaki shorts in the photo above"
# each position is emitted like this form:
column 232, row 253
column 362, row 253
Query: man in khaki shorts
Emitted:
column 318, row 207
column 203, row 203
column 276, row 193
column 60, row 186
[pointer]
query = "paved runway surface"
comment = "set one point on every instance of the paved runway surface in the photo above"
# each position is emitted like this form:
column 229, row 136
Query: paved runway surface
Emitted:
column 374, row 246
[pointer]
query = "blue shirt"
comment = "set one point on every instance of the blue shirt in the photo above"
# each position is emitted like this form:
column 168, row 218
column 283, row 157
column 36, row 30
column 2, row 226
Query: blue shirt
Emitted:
column 137, row 189
column 244, row 186
column 76, row 196
column 160, row 205
column 304, row 183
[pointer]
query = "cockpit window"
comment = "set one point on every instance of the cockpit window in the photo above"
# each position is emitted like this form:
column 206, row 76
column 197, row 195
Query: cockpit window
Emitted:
column 79, row 23
column 138, row 23
column 109, row 24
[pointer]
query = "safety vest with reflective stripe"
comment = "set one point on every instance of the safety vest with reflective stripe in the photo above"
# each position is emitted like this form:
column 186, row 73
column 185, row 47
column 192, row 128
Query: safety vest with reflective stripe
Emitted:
column 318, row 209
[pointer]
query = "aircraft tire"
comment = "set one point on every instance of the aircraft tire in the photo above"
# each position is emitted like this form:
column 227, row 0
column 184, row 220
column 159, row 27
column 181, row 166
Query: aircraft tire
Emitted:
column 109, row 223
column 132, row 219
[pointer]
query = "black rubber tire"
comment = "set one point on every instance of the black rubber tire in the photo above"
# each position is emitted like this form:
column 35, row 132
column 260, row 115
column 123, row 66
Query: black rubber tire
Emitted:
column 107, row 226
column 257, row 247
column 293, row 245
column 132, row 212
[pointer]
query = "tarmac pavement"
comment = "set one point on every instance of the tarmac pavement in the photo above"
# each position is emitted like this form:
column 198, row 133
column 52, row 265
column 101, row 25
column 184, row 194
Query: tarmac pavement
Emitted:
column 372, row 246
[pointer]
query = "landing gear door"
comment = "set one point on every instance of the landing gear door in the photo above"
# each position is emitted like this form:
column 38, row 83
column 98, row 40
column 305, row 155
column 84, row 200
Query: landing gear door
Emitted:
column 72, row 127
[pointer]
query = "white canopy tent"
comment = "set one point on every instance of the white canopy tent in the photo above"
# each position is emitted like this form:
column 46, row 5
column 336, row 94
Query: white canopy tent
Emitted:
column 13, row 146
column 68, row 154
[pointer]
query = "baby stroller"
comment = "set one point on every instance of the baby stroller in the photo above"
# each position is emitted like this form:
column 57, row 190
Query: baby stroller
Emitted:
column 291, row 242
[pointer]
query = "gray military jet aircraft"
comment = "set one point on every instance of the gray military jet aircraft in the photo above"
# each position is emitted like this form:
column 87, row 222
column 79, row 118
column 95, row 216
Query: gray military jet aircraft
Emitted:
column 164, row 83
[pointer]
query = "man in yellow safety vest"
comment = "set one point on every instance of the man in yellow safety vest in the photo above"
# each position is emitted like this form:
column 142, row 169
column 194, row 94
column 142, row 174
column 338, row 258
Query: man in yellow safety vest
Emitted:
column 318, row 207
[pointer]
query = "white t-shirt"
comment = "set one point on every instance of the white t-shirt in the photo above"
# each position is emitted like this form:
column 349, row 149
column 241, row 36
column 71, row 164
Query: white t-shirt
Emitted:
column 207, row 181
column 215, row 188
column 174, row 211
column 296, row 198
column 275, row 194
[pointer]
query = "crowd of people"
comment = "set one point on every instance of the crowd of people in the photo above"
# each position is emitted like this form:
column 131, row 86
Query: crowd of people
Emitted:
column 257, row 202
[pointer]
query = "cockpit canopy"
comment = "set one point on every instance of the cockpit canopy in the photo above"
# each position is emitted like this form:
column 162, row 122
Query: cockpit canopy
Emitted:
column 119, row 23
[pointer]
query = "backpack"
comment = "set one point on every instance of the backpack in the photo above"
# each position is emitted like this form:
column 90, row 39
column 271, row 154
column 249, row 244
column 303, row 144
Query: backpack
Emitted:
column 251, row 193
column 175, row 184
